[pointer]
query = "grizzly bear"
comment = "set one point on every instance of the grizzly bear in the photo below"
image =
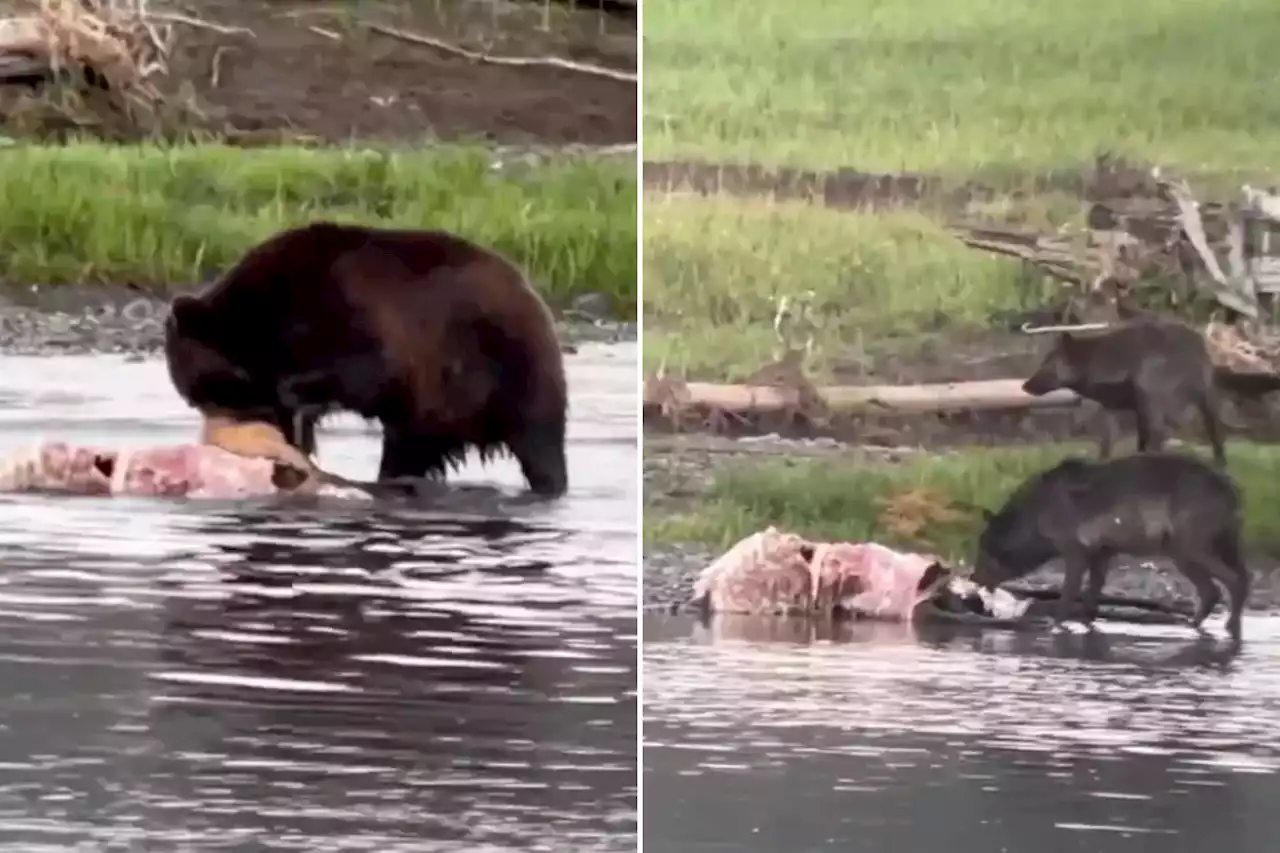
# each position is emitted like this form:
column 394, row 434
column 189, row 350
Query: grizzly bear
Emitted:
column 442, row 341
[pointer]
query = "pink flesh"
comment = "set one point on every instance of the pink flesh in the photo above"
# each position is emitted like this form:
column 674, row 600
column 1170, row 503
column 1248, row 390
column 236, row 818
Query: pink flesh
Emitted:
column 189, row 470
column 767, row 573
column 192, row 470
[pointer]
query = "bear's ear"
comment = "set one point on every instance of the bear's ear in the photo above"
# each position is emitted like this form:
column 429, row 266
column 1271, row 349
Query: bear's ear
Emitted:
column 986, row 514
column 189, row 317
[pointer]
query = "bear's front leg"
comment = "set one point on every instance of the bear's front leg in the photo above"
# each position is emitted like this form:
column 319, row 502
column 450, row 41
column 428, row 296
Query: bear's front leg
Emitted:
column 409, row 455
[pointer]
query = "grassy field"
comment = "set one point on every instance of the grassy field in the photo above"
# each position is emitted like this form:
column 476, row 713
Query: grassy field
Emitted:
column 178, row 216
column 959, row 86
column 936, row 499
column 999, row 91
column 714, row 269
column 971, row 89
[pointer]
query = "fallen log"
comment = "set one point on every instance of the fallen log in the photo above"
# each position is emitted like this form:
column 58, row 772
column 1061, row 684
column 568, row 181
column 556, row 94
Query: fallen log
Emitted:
column 986, row 395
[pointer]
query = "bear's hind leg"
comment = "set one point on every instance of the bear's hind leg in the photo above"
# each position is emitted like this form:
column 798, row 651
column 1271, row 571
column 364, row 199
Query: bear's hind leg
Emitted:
column 539, row 448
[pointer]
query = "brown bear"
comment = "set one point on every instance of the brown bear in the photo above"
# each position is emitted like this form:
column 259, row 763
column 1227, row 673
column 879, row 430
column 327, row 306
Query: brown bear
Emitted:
column 442, row 341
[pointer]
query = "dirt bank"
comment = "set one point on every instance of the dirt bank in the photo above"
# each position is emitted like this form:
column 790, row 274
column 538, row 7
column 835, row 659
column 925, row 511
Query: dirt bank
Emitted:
column 853, row 189
column 277, row 69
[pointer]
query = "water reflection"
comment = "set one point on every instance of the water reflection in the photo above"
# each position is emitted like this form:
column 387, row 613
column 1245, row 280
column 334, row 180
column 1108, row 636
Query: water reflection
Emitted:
column 764, row 734
column 273, row 677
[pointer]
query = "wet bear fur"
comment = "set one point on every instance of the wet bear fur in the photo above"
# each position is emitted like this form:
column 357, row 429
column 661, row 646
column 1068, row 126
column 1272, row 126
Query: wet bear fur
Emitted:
column 442, row 341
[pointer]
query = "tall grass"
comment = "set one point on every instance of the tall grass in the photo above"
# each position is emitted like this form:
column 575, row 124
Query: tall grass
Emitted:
column 958, row 85
column 714, row 269
column 176, row 216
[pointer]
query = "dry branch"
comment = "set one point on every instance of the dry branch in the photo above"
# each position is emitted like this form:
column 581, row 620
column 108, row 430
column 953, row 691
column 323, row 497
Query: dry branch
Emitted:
column 519, row 61
column 200, row 23
column 1055, row 256
column 1235, row 293
column 215, row 67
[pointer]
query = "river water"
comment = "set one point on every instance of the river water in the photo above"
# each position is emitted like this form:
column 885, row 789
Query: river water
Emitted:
column 771, row 735
column 212, row 676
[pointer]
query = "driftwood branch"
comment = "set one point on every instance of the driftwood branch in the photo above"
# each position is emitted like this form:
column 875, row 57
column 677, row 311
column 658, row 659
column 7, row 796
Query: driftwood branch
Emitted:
column 1235, row 293
column 518, row 61
column 114, row 42
column 1193, row 227
column 1029, row 329
column 1055, row 256
column 1150, row 242
column 986, row 395
column 22, row 69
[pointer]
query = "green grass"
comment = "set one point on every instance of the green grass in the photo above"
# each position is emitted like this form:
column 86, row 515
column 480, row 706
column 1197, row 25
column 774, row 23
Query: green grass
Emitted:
column 177, row 216
column 840, row 500
column 715, row 267
column 955, row 86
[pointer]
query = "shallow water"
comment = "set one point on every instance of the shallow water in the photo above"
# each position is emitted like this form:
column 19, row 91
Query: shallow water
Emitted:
column 213, row 676
column 769, row 735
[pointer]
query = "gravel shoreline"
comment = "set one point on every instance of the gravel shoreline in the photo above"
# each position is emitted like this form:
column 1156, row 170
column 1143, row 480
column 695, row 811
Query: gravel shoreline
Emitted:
column 669, row 572
column 67, row 320
column 672, row 479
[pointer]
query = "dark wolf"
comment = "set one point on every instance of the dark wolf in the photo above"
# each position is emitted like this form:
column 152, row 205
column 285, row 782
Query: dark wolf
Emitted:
column 1147, row 505
column 1156, row 367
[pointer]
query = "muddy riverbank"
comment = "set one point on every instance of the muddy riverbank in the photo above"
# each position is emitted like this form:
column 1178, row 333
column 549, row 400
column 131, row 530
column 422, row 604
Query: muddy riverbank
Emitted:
column 376, row 71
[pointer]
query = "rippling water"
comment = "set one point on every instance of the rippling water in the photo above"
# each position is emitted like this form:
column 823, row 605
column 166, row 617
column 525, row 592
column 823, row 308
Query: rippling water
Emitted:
column 771, row 735
column 213, row 676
